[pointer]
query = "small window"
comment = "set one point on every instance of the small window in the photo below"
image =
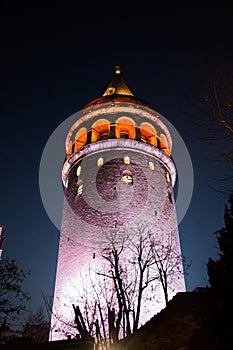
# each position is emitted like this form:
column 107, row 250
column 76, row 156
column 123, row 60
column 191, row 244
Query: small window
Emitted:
column 66, row 183
column 127, row 180
column 151, row 166
column 111, row 91
column 100, row 162
column 168, row 177
column 78, row 171
column 79, row 188
column 170, row 197
column 126, row 160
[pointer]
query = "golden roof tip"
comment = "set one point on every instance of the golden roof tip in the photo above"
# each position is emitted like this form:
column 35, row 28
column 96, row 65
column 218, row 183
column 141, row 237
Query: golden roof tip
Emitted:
column 118, row 85
column 118, row 69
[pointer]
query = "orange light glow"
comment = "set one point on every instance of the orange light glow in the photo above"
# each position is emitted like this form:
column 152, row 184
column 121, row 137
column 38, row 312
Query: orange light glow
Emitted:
column 125, row 127
column 164, row 144
column 80, row 138
column 148, row 133
column 100, row 130
column 69, row 152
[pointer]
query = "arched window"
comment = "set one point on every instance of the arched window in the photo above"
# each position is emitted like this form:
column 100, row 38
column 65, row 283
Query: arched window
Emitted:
column 148, row 133
column 126, row 160
column 163, row 141
column 78, row 171
column 151, row 166
column 80, row 138
column 164, row 144
column 127, row 178
column 125, row 127
column 100, row 162
column 79, row 188
column 100, row 130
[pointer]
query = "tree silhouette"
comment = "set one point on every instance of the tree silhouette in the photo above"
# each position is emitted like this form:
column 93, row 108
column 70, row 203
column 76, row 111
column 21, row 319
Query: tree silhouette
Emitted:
column 136, row 273
column 220, row 272
column 12, row 295
column 212, row 104
column 133, row 262
column 36, row 326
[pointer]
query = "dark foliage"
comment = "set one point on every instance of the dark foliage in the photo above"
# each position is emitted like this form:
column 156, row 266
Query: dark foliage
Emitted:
column 220, row 272
column 12, row 295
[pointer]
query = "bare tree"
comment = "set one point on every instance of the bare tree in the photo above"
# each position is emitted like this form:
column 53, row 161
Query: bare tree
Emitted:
column 82, row 326
column 143, row 260
column 213, row 104
column 48, row 304
column 132, row 263
column 123, row 284
column 167, row 263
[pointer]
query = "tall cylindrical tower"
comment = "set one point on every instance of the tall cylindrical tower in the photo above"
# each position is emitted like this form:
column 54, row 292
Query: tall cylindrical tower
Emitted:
column 119, row 244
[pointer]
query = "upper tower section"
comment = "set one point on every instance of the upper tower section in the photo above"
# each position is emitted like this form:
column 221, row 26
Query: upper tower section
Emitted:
column 118, row 115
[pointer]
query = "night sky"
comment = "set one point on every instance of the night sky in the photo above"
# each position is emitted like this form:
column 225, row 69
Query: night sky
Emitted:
column 56, row 59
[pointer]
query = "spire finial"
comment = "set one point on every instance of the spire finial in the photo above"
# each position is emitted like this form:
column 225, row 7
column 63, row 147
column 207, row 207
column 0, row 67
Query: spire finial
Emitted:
column 117, row 85
column 118, row 69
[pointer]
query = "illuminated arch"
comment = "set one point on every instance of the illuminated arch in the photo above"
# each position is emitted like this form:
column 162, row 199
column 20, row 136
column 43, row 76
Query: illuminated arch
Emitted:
column 100, row 130
column 126, row 160
column 164, row 144
column 80, row 138
column 151, row 166
column 148, row 133
column 100, row 162
column 125, row 127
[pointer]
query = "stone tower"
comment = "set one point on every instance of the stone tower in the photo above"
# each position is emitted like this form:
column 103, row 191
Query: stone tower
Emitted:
column 119, row 245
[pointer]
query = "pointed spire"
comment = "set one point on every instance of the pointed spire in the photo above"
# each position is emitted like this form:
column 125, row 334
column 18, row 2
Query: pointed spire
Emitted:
column 118, row 85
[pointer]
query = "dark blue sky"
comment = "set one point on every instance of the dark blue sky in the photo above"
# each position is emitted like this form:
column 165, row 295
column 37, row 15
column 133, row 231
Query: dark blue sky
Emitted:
column 56, row 59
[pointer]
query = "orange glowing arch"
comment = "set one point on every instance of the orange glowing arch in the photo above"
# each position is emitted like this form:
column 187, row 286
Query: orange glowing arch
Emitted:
column 80, row 138
column 125, row 127
column 100, row 130
column 148, row 133
column 164, row 144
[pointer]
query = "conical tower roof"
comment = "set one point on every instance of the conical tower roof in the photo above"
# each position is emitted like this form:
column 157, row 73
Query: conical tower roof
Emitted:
column 118, row 91
column 118, row 86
